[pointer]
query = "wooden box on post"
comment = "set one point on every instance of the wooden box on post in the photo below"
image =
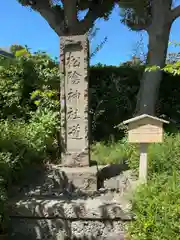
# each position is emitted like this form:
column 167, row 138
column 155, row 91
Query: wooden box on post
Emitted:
column 144, row 129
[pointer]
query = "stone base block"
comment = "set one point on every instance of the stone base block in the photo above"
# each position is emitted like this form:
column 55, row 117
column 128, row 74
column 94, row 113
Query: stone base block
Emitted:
column 75, row 159
column 92, row 218
column 82, row 178
column 122, row 182
column 64, row 204
column 55, row 229
column 99, row 207
column 56, row 181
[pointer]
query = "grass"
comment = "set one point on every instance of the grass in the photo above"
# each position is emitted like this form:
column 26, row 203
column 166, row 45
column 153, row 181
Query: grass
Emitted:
column 162, row 157
column 113, row 152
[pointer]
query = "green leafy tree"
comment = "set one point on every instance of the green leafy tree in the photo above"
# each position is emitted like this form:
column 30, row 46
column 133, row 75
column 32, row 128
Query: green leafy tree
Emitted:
column 18, row 48
column 20, row 77
column 173, row 63
column 156, row 18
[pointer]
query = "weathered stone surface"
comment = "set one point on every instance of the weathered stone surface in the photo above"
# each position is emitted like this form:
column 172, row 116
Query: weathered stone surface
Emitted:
column 55, row 229
column 59, row 181
column 83, row 178
column 96, row 208
column 74, row 183
column 74, row 61
column 51, row 209
column 64, row 179
column 121, row 182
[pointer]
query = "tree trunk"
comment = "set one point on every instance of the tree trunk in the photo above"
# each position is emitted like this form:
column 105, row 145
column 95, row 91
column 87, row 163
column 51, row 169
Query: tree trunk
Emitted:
column 157, row 50
column 150, row 83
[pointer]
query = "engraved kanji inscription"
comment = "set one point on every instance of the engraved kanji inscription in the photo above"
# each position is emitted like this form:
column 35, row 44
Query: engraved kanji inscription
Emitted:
column 73, row 114
column 72, row 61
column 74, row 132
column 74, row 77
column 73, row 95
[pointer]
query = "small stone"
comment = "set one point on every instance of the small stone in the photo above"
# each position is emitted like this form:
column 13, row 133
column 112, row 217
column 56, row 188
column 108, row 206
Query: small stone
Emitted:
column 102, row 190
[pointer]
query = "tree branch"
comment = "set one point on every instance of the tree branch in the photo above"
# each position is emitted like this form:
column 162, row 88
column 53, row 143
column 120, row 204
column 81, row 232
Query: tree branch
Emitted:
column 136, row 26
column 88, row 21
column 175, row 13
column 70, row 10
column 139, row 27
column 54, row 15
column 97, row 9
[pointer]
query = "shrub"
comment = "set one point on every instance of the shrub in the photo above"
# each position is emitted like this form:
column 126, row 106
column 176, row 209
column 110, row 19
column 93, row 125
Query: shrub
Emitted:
column 113, row 98
column 3, row 209
column 112, row 93
column 162, row 157
column 21, row 145
column 6, row 164
column 20, row 77
column 28, row 100
column 29, row 117
column 27, row 143
column 5, row 167
column 42, row 131
column 157, row 209
column 115, row 152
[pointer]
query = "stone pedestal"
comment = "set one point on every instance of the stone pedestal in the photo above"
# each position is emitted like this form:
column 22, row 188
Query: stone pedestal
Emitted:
column 65, row 204
column 74, row 59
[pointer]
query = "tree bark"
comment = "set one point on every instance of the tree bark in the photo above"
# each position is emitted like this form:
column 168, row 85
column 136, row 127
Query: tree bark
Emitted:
column 157, row 50
column 54, row 16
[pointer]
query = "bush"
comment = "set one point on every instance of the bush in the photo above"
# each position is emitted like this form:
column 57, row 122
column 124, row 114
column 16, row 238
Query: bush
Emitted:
column 20, row 77
column 29, row 118
column 3, row 209
column 113, row 93
column 162, row 157
column 5, row 167
column 157, row 209
column 115, row 152
column 28, row 101
column 23, row 143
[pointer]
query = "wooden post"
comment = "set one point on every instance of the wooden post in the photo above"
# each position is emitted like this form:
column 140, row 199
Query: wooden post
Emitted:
column 143, row 164
column 144, row 129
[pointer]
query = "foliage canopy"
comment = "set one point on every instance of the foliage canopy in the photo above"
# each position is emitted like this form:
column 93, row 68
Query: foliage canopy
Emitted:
column 65, row 16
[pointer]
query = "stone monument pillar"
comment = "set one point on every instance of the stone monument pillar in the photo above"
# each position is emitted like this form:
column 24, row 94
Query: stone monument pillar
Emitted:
column 74, row 62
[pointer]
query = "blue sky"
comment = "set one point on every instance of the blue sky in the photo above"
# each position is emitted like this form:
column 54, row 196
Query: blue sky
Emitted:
column 22, row 26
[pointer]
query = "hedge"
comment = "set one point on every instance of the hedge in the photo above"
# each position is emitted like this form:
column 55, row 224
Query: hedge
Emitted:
column 113, row 93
